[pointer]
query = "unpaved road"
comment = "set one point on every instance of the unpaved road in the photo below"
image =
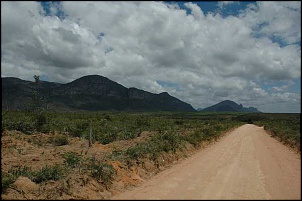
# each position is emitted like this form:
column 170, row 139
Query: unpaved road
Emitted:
column 245, row 164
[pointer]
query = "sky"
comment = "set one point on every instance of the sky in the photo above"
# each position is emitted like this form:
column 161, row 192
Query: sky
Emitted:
column 199, row 52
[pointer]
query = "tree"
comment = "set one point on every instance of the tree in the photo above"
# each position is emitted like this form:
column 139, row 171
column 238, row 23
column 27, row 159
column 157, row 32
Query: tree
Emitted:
column 37, row 78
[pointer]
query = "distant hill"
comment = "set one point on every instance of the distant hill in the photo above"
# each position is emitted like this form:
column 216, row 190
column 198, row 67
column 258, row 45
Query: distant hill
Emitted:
column 229, row 106
column 92, row 92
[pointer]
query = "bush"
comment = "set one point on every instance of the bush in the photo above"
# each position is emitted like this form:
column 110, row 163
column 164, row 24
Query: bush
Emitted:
column 167, row 141
column 24, row 127
column 48, row 173
column 126, row 135
column 101, row 170
column 78, row 129
column 162, row 142
column 141, row 122
column 22, row 171
column 59, row 140
column 8, row 178
column 195, row 138
column 40, row 120
column 138, row 151
column 178, row 122
column 107, row 137
column 71, row 159
column 6, row 181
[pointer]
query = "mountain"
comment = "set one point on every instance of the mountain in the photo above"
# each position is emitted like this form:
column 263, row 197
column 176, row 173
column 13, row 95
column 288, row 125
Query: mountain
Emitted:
column 229, row 106
column 92, row 92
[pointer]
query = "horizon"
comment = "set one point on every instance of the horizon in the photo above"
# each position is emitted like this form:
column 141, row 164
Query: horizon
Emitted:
column 196, row 109
column 199, row 52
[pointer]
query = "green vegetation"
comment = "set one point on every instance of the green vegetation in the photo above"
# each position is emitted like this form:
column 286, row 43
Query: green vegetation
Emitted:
column 59, row 140
column 46, row 173
column 6, row 181
column 101, row 170
column 285, row 127
column 168, row 133
column 71, row 159
column 163, row 142
column 111, row 126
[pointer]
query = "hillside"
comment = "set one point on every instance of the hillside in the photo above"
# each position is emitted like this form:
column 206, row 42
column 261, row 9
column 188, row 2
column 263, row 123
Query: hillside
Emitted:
column 92, row 92
column 229, row 106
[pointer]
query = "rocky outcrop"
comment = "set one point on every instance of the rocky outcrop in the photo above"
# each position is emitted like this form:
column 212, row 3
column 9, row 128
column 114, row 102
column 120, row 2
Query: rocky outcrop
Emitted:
column 92, row 92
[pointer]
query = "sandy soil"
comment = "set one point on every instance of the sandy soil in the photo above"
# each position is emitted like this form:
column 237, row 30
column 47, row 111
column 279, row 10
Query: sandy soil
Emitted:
column 18, row 149
column 244, row 164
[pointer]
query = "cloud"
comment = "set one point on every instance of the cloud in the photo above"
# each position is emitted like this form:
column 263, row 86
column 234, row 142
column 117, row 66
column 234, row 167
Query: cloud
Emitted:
column 208, row 58
column 276, row 20
column 222, row 4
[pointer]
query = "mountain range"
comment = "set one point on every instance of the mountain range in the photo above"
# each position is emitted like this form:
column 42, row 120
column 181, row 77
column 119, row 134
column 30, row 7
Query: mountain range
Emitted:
column 92, row 92
column 96, row 93
column 228, row 106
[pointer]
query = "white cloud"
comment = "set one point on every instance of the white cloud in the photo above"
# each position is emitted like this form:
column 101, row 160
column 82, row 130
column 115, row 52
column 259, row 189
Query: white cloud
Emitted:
column 281, row 19
column 206, row 58
column 222, row 4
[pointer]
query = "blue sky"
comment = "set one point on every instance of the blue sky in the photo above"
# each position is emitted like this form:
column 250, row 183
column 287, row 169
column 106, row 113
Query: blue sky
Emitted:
column 213, row 6
column 248, row 52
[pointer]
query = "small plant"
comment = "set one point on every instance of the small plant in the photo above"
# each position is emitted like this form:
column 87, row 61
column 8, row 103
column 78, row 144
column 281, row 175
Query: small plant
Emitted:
column 24, row 127
column 22, row 171
column 141, row 122
column 106, row 138
column 178, row 122
column 126, row 135
column 59, row 140
column 8, row 178
column 107, row 117
column 40, row 120
column 6, row 181
column 138, row 151
column 195, row 138
column 101, row 170
column 48, row 173
column 35, row 141
column 71, row 159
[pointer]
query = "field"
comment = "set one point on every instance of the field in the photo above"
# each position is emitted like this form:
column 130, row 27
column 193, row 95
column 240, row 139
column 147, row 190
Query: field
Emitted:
column 51, row 150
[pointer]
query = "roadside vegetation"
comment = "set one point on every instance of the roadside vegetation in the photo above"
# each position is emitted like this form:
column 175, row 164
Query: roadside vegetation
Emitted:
column 284, row 127
column 138, row 141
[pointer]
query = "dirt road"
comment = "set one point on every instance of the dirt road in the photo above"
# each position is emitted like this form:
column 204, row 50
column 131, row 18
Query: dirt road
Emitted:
column 244, row 164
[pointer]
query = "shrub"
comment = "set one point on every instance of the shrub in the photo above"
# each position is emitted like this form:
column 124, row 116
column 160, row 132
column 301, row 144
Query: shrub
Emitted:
column 78, row 129
column 101, row 170
column 71, row 159
column 48, row 173
column 162, row 142
column 24, row 127
column 126, row 135
column 107, row 117
column 106, row 138
column 8, row 178
column 195, row 138
column 178, row 122
column 167, row 141
column 138, row 151
column 22, row 171
column 59, row 140
column 6, row 181
column 141, row 122
column 40, row 120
